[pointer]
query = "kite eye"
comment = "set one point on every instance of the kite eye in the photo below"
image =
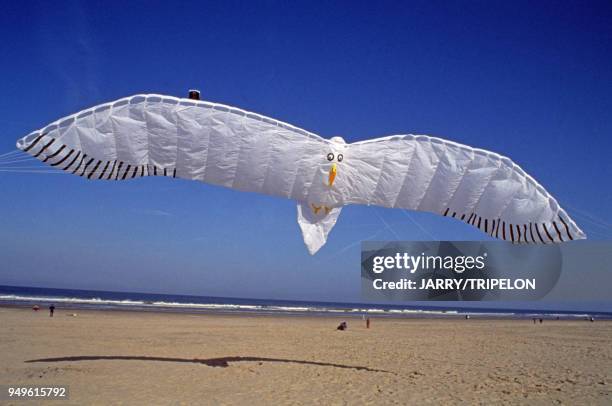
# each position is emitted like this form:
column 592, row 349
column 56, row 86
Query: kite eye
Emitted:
column 330, row 156
column 340, row 157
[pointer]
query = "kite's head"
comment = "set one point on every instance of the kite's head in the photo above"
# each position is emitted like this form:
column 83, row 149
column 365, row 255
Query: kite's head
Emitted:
column 335, row 156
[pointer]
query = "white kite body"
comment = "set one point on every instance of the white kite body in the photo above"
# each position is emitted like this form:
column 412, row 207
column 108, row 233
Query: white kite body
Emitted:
column 155, row 135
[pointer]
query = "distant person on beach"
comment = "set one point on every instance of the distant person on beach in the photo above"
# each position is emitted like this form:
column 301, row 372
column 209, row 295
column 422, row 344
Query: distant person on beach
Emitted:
column 342, row 326
column 541, row 321
column 51, row 310
column 35, row 308
column 368, row 322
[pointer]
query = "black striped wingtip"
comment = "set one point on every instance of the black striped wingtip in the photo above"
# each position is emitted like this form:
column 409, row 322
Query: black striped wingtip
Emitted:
column 80, row 164
column 528, row 233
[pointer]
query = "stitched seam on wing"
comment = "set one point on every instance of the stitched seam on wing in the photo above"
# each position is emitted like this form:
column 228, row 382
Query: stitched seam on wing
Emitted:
column 405, row 176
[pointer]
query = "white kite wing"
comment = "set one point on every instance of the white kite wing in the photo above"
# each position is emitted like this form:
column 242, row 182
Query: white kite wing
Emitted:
column 479, row 187
column 155, row 135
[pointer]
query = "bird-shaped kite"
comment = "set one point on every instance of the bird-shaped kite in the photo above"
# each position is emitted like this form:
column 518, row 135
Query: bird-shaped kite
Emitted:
column 156, row 135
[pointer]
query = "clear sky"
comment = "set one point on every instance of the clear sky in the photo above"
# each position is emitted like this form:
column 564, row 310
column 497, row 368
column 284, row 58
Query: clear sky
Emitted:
column 530, row 80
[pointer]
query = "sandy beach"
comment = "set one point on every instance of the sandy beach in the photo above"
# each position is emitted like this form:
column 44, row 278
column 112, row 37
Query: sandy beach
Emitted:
column 112, row 357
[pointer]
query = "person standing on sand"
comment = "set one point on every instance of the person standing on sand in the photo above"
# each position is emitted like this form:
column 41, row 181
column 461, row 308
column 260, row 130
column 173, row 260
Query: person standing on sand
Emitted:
column 51, row 310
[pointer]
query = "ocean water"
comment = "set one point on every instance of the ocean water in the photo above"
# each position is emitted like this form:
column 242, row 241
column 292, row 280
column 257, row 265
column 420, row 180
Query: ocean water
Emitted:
column 138, row 301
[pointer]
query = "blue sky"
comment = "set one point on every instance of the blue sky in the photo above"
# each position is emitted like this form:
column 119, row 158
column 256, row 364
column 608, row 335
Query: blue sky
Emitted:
column 530, row 80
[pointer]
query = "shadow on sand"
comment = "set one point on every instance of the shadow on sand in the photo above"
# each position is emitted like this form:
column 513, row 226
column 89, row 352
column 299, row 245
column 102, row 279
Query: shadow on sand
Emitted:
column 222, row 362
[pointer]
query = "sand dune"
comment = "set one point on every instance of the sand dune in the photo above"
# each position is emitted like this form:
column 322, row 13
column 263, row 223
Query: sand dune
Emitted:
column 155, row 358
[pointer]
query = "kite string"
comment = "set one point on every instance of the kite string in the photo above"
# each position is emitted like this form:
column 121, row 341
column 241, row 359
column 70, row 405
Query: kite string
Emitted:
column 16, row 156
column 423, row 229
column 10, row 163
column 589, row 217
column 10, row 154
column 597, row 225
column 18, row 160
column 25, row 167
column 387, row 225
column 352, row 244
column 600, row 234
column 594, row 228
column 32, row 171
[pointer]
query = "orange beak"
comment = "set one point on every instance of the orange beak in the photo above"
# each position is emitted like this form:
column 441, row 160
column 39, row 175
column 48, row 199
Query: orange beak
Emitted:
column 332, row 175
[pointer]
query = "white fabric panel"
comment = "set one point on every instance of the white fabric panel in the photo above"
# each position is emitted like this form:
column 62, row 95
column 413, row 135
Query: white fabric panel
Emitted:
column 69, row 136
column 197, row 130
column 92, row 139
column 473, row 181
column 394, row 170
column 453, row 163
column 255, row 152
column 498, row 192
column 421, row 171
column 282, row 164
column 120, row 125
column 528, row 204
column 188, row 148
column 103, row 125
column 361, row 169
column 223, row 148
column 160, row 120
column 130, row 133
